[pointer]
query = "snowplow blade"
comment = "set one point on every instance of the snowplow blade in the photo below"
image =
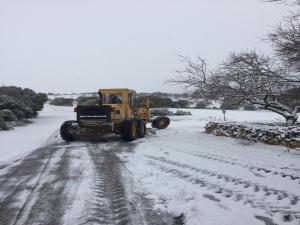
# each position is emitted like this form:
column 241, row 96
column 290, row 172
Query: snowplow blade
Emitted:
column 161, row 122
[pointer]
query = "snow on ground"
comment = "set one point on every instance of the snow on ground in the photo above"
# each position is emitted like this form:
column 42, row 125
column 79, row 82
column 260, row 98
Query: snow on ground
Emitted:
column 211, row 180
column 81, row 188
column 216, row 180
column 73, row 95
column 201, row 116
column 42, row 131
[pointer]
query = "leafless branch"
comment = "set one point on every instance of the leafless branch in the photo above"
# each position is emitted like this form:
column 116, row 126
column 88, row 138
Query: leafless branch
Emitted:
column 243, row 76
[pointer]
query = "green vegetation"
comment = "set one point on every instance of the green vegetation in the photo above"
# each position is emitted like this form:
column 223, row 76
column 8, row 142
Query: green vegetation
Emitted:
column 82, row 100
column 164, row 102
column 202, row 104
column 166, row 112
column 161, row 112
column 250, row 108
column 93, row 100
column 62, row 101
column 17, row 104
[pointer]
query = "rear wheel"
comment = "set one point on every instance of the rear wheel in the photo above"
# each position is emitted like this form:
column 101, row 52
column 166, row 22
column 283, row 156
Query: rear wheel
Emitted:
column 68, row 130
column 129, row 130
column 141, row 128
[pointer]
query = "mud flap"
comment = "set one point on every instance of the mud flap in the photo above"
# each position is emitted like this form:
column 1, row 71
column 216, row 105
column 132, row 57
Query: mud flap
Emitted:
column 161, row 122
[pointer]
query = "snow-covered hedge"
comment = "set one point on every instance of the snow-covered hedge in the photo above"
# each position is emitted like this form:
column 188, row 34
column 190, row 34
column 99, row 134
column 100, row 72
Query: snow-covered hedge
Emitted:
column 17, row 105
column 273, row 135
column 161, row 112
column 167, row 112
column 182, row 113
column 62, row 101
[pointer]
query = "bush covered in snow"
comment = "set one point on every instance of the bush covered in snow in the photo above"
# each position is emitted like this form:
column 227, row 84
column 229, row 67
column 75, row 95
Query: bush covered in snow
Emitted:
column 182, row 113
column 166, row 112
column 17, row 104
column 203, row 104
column 7, row 115
column 81, row 100
column 163, row 102
column 250, row 108
column 161, row 112
column 268, row 134
column 62, row 101
column 91, row 100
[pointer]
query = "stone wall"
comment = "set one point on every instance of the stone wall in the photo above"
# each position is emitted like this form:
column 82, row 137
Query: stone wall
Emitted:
column 268, row 134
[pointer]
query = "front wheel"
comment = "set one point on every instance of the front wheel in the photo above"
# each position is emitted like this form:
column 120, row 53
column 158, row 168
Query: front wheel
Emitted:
column 129, row 130
column 68, row 129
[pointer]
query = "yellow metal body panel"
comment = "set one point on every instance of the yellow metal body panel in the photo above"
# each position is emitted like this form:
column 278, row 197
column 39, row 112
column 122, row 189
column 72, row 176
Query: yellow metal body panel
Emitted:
column 126, row 109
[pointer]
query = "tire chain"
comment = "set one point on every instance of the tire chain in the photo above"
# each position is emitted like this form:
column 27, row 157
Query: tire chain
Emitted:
column 82, row 133
column 233, row 161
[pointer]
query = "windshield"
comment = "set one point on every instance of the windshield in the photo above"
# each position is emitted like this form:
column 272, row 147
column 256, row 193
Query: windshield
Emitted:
column 113, row 99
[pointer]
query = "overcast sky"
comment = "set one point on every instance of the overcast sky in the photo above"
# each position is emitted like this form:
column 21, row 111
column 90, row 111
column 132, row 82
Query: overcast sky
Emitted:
column 80, row 46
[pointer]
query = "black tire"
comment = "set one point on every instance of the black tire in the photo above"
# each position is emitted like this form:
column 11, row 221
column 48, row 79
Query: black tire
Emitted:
column 129, row 130
column 161, row 122
column 141, row 128
column 67, row 130
column 154, row 122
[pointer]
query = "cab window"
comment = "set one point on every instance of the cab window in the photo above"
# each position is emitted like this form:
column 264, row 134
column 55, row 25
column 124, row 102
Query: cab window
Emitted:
column 113, row 99
column 132, row 99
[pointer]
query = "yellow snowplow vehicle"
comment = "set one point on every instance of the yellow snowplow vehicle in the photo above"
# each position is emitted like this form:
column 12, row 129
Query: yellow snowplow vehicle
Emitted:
column 116, row 113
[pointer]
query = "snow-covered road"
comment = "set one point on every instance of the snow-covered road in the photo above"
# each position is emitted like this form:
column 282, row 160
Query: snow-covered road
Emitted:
column 78, row 183
column 216, row 180
column 178, row 175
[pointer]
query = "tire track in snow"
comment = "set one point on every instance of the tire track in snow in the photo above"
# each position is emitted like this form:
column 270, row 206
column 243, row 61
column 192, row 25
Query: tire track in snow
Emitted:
column 33, row 192
column 109, row 205
column 18, row 181
column 41, row 196
column 115, row 200
column 252, row 199
column 237, row 162
column 49, row 200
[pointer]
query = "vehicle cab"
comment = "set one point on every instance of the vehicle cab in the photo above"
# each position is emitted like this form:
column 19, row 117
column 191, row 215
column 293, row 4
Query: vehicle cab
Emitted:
column 122, row 102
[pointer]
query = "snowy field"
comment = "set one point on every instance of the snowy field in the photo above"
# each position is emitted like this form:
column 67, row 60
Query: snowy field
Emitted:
column 217, row 180
column 45, row 127
column 181, row 172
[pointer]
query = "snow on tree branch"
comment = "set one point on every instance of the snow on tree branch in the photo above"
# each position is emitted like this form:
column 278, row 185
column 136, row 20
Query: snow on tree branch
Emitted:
column 244, row 77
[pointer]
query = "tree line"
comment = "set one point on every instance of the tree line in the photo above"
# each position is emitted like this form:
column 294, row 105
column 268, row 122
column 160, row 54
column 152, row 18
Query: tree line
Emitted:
column 154, row 100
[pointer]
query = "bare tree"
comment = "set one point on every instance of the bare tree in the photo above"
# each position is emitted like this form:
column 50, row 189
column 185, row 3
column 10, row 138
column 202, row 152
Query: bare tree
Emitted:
column 195, row 74
column 285, row 37
column 293, row 2
column 244, row 77
column 270, row 102
column 286, row 42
